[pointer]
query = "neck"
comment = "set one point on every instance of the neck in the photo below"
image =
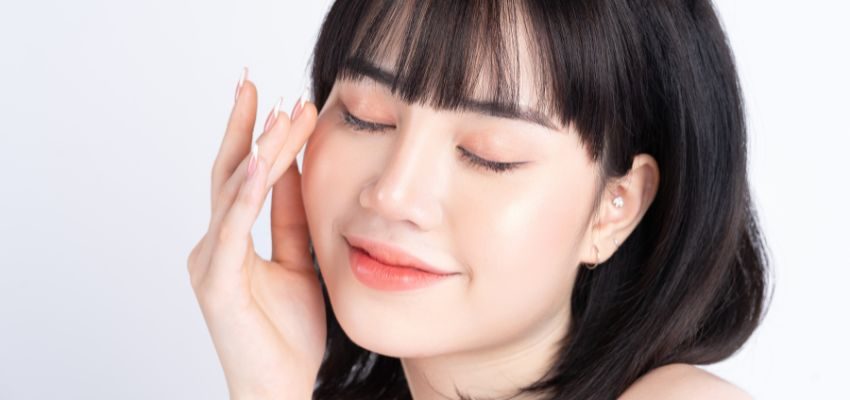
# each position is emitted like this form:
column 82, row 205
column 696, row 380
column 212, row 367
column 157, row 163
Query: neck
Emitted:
column 488, row 373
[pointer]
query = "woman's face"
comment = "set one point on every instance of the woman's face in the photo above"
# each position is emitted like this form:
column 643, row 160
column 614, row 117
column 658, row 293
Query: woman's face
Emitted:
column 514, row 238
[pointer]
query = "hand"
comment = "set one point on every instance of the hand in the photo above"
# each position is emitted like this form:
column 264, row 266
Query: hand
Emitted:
column 266, row 317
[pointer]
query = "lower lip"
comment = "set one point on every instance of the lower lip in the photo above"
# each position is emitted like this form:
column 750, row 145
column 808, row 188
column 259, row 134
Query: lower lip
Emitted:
column 377, row 275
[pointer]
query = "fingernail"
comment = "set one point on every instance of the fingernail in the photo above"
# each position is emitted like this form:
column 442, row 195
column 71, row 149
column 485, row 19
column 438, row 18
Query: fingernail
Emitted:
column 240, row 83
column 300, row 104
column 252, row 162
column 273, row 114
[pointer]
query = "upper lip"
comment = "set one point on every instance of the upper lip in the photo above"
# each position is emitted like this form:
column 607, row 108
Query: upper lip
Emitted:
column 389, row 254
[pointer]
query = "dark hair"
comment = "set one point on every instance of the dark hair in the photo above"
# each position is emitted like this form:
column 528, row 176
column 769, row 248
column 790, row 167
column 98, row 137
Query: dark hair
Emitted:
column 689, row 285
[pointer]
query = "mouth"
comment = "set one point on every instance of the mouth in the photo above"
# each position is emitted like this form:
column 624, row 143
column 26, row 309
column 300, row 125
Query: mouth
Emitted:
column 390, row 278
column 392, row 256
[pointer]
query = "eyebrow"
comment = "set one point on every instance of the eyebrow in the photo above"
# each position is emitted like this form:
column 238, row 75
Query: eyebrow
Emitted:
column 363, row 68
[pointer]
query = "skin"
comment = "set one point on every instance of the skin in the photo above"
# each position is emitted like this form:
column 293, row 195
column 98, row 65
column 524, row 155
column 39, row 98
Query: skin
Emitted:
column 682, row 381
column 267, row 318
column 516, row 243
column 515, row 240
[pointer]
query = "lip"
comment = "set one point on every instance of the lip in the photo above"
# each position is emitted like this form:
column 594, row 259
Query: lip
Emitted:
column 384, row 277
column 388, row 254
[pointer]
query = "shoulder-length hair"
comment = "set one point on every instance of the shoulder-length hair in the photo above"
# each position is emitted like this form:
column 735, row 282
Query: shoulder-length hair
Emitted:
column 689, row 285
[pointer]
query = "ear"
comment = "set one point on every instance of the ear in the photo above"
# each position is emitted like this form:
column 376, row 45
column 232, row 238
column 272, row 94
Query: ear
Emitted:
column 637, row 189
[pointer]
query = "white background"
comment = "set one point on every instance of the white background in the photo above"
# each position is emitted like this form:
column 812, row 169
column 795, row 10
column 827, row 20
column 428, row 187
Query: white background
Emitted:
column 111, row 115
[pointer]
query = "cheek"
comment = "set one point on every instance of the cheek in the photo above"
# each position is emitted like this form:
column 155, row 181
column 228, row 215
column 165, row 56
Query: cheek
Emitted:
column 521, row 246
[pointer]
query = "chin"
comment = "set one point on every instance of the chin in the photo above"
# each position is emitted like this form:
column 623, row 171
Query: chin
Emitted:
column 394, row 324
column 383, row 330
column 396, row 344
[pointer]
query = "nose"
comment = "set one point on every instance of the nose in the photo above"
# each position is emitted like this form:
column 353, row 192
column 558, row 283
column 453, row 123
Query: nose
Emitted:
column 411, row 185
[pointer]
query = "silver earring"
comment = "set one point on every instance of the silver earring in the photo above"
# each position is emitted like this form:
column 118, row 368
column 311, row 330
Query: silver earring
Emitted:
column 618, row 202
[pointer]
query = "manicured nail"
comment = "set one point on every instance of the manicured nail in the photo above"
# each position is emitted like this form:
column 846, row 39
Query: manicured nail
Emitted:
column 273, row 115
column 277, row 106
column 241, row 82
column 252, row 162
column 300, row 104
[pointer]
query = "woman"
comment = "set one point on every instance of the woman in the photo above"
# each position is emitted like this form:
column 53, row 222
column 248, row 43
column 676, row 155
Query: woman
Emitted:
column 546, row 199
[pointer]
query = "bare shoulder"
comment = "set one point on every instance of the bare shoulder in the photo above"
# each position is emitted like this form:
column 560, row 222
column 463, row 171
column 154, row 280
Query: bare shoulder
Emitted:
column 682, row 381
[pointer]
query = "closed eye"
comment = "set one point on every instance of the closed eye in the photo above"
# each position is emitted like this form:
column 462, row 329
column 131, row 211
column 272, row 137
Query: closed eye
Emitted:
column 474, row 160
column 361, row 125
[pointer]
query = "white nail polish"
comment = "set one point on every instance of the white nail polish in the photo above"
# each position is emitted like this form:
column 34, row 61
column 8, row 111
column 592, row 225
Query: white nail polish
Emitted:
column 277, row 106
column 299, row 105
column 241, row 82
column 303, row 98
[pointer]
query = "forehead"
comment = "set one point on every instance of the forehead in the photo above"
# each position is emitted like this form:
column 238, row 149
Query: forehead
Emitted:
column 448, row 54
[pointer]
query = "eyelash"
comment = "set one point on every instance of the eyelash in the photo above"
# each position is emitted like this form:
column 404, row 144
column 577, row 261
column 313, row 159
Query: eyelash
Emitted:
column 493, row 166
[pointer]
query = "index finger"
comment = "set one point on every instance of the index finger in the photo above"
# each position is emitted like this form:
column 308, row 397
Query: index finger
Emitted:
column 237, row 137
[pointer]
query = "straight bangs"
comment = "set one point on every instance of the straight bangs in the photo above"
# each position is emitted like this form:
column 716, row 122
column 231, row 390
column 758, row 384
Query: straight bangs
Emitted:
column 499, row 55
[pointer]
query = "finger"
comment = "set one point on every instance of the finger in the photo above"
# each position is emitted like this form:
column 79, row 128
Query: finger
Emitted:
column 289, row 230
column 302, row 127
column 269, row 145
column 237, row 137
column 234, row 234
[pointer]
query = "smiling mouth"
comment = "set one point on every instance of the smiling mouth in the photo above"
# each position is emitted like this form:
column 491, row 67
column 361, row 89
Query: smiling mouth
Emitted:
column 385, row 277
column 391, row 256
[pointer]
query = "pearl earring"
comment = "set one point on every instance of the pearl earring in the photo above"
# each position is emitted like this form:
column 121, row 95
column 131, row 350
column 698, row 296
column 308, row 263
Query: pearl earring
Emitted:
column 618, row 202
